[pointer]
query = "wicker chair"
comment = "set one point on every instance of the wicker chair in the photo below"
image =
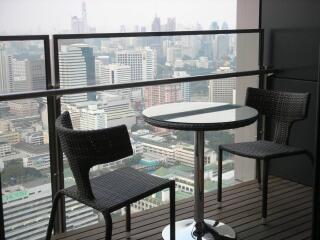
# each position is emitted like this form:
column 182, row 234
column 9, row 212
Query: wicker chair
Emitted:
column 283, row 109
column 110, row 191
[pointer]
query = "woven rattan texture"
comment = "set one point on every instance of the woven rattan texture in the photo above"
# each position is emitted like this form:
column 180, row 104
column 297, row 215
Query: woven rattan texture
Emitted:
column 85, row 149
column 113, row 190
column 283, row 108
column 261, row 149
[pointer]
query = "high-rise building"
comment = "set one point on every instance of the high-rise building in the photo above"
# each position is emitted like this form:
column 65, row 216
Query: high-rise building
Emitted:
column 20, row 83
column 223, row 46
column 27, row 210
column 89, row 58
column 156, row 24
column 142, row 63
column 84, row 15
column 73, row 72
column 27, row 75
column 214, row 26
column 117, row 109
column 80, row 24
column 77, row 25
column 115, row 74
column 162, row 94
column 4, row 70
column 222, row 90
column 36, row 74
column 223, row 43
column 93, row 118
column 171, row 25
column 185, row 86
column 173, row 53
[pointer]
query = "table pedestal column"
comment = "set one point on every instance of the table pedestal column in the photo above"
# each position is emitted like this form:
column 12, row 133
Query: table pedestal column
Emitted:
column 200, row 228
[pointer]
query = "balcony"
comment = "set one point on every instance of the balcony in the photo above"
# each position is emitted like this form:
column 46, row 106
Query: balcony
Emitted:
column 290, row 214
column 290, row 203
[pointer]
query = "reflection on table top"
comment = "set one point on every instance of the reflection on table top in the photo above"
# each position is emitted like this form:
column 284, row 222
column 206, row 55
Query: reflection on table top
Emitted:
column 200, row 116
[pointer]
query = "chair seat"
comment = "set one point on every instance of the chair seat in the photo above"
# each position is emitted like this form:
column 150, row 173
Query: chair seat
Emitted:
column 261, row 149
column 119, row 188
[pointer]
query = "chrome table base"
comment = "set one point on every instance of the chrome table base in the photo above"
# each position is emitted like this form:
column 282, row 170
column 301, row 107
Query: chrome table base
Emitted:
column 209, row 229
column 185, row 230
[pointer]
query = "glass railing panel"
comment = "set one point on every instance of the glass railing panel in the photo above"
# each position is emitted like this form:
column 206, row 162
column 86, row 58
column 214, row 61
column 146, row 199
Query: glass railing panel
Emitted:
column 24, row 141
column 101, row 61
column 25, row 168
column 22, row 66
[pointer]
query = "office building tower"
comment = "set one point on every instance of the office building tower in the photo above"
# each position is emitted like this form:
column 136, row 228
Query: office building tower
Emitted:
column 4, row 70
column 156, row 24
column 223, row 46
column 206, row 48
column 20, row 83
column 84, row 15
column 142, row 63
column 118, row 110
column 36, row 74
column 223, row 43
column 89, row 58
column 222, row 90
column 114, row 74
column 214, row 44
column 185, row 86
column 214, row 26
column 92, row 118
column 171, row 25
column 173, row 53
column 27, row 75
column 73, row 72
column 143, row 67
column 161, row 94
column 77, row 25
column 80, row 24
column 155, row 42
column 27, row 210
column 120, row 74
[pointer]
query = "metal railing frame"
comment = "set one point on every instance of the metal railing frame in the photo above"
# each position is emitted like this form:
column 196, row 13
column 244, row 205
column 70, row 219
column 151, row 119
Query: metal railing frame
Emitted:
column 53, row 92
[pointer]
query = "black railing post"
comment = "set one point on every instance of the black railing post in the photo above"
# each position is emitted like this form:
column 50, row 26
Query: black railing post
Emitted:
column 261, row 84
column 57, row 176
column 2, row 233
column 56, row 157
column 316, row 183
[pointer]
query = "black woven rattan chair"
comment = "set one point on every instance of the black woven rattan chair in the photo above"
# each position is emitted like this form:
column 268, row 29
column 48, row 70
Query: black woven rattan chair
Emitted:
column 113, row 190
column 283, row 109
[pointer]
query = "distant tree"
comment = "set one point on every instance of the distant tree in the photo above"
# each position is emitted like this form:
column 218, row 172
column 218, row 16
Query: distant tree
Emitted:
column 14, row 173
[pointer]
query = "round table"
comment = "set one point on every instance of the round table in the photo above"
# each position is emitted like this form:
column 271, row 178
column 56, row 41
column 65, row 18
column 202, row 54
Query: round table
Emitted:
column 200, row 117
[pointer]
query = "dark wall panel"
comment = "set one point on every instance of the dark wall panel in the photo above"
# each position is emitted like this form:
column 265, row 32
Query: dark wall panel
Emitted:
column 292, row 37
column 297, row 168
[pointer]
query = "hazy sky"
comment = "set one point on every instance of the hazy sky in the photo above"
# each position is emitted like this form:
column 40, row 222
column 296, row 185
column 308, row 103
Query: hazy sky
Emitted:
column 52, row 16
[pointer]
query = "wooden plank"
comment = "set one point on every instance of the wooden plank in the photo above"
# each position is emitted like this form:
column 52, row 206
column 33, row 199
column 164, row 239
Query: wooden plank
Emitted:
column 288, row 214
column 137, row 216
column 186, row 212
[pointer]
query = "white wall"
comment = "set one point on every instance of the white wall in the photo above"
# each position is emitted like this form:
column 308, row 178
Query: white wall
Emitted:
column 247, row 59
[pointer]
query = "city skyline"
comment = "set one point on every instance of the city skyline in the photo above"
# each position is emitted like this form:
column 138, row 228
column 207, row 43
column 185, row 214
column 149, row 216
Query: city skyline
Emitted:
column 110, row 16
column 24, row 146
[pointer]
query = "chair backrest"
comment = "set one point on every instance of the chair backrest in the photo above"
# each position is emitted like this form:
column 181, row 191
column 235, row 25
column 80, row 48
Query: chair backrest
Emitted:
column 85, row 149
column 283, row 108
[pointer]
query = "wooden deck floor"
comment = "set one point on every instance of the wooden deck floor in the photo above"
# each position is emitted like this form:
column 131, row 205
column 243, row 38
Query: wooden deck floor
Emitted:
column 289, row 214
